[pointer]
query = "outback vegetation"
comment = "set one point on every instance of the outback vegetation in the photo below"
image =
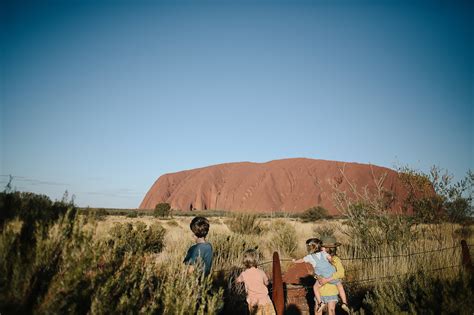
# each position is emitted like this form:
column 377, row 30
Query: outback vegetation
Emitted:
column 55, row 258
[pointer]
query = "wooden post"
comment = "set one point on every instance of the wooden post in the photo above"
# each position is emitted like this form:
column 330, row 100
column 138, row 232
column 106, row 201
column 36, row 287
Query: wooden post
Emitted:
column 278, row 295
column 466, row 256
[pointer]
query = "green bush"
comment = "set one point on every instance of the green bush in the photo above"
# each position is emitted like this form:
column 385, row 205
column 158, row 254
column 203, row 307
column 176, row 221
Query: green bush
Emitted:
column 435, row 198
column 245, row 223
column 374, row 229
column 132, row 214
column 31, row 208
column 136, row 238
column 99, row 214
column 162, row 210
column 314, row 214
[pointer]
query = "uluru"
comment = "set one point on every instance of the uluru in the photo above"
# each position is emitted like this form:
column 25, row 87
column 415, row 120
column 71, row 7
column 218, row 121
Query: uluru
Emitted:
column 287, row 185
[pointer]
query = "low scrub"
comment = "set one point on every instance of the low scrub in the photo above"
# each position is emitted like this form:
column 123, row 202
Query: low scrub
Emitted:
column 283, row 238
column 245, row 223
column 314, row 214
column 63, row 269
column 423, row 293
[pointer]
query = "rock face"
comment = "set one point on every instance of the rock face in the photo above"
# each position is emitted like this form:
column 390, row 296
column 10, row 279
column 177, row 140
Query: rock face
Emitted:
column 289, row 185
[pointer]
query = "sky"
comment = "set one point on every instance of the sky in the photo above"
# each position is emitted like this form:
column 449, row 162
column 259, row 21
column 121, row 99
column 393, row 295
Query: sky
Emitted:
column 100, row 98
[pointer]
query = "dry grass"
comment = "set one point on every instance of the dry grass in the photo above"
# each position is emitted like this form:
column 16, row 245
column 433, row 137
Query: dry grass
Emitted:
column 431, row 237
column 156, row 280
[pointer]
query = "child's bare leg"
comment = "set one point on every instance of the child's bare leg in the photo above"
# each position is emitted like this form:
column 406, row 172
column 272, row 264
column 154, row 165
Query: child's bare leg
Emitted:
column 342, row 292
column 316, row 288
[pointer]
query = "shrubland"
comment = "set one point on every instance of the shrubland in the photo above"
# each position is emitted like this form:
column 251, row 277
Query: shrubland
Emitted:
column 55, row 259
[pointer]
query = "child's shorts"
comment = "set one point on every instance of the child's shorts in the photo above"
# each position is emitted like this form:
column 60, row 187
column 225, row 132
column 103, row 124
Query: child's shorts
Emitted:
column 266, row 309
column 330, row 298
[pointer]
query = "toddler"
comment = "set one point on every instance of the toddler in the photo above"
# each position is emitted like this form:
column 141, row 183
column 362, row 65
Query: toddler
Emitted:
column 256, row 282
column 321, row 262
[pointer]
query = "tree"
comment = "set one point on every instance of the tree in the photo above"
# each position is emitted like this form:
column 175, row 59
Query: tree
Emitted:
column 162, row 210
column 314, row 214
column 435, row 197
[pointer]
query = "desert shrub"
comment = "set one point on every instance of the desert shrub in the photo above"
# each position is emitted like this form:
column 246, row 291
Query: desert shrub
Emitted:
column 324, row 230
column 245, row 223
column 314, row 214
column 434, row 197
column 423, row 294
column 58, row 260
column 228, row 249
column 99, row 214
column 132, row 214
column 31, row 208
column 370, row 223
column 27, row 273
column 283, row 238
column 372, row 230
column 162, row 210
column 136, row 238
column 182, row 293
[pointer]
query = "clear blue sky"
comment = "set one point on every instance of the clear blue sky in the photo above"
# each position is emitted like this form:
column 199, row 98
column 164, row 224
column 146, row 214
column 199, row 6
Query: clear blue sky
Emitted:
column 100, row 98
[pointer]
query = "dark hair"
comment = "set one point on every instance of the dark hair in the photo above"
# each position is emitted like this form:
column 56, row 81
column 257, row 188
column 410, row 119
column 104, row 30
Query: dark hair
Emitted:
column 313, row 245
column 200, row 226
column 331, row 251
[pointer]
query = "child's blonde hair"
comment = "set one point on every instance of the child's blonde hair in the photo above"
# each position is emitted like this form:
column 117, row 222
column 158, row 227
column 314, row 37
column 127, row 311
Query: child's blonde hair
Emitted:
column 313, row 245
column 250, row 258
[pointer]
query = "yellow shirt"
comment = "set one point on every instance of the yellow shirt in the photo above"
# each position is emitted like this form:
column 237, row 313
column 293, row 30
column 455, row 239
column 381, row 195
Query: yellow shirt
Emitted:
column 331, row 289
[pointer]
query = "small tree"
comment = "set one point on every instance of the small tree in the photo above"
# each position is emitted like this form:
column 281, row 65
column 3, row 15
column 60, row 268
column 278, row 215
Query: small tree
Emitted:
column 162, row 210
column 434, row 197
column 314, row 214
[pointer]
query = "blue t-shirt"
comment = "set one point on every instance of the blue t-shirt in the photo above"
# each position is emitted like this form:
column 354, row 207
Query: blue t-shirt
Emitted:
column 202, row 251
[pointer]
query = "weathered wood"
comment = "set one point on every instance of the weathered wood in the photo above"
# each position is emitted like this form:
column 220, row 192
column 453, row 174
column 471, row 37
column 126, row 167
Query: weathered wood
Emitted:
column 466, row 256
column 278, row 294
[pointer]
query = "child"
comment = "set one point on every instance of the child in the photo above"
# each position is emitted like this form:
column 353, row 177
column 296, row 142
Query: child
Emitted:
column 256, row 282
column 321, row 262
column 201, row 252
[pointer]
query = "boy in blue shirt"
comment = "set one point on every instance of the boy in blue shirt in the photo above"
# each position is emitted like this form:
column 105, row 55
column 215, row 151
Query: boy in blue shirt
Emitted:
column 201, row 252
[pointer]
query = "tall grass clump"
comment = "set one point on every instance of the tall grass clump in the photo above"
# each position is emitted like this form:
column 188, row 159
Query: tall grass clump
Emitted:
column 424, row 293
column 228, row 249
column 434, row 197
column 325, row 230
column 245, row 223
column 282, row 238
